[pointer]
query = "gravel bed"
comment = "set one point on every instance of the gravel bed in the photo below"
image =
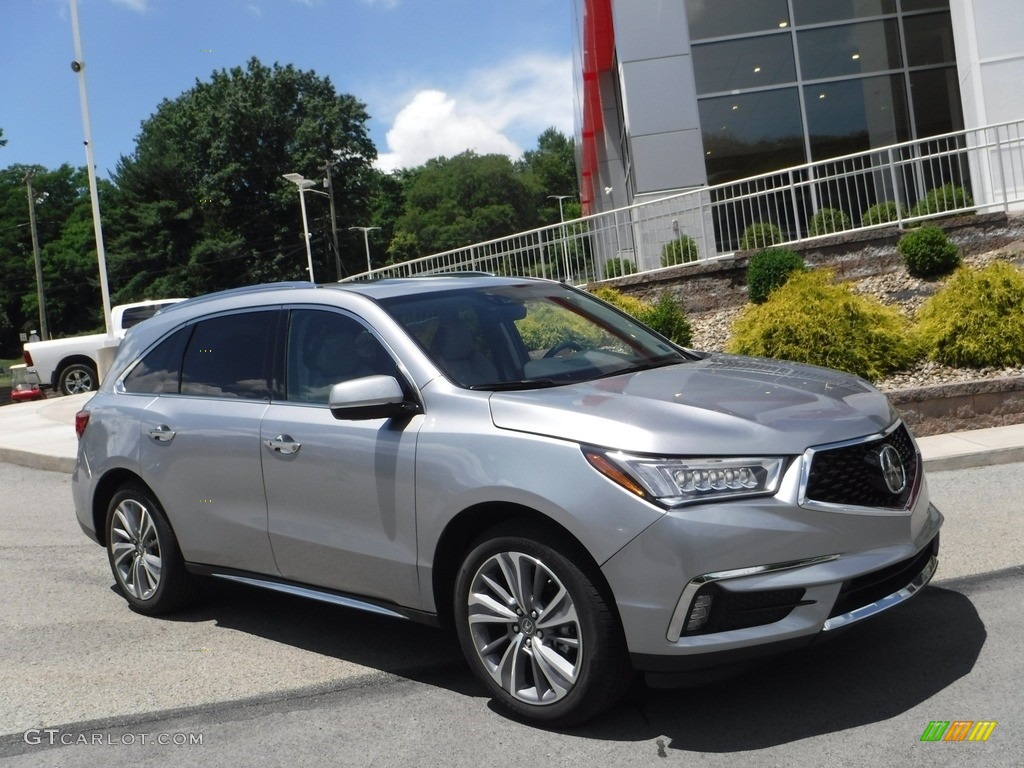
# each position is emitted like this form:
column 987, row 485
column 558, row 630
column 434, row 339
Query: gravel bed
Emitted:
column 711, row 329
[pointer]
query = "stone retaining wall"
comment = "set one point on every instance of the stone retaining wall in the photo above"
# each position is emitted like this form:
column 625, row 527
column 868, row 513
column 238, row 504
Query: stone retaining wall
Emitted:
column 962, row 406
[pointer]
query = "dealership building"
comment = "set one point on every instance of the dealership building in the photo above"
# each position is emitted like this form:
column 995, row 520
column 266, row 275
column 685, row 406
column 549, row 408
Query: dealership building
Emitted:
column 675, row 95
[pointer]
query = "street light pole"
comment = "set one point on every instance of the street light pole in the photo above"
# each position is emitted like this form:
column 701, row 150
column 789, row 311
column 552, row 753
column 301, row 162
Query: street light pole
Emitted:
column 44, row 333
column 303, row 185
column 366, row 240
column 561, row 218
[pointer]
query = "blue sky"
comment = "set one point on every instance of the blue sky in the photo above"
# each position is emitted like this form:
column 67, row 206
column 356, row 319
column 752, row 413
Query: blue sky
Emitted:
column 437, row 76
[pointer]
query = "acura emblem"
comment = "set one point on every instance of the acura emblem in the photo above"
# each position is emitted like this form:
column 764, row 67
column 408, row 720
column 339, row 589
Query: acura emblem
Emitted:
column 892, row 469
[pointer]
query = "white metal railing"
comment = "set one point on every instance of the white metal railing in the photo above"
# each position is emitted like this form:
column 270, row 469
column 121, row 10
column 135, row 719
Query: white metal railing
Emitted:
column 880, row 187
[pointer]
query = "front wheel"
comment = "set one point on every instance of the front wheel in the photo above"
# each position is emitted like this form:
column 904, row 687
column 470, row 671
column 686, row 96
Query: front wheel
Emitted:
column 77, row 378
column 537, row 631
column 144, row 555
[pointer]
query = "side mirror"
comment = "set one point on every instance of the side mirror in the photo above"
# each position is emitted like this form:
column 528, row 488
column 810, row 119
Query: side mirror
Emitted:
column 370, row 397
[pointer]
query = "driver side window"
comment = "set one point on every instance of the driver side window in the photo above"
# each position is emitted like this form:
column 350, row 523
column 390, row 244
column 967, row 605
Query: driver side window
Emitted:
column 326, row 348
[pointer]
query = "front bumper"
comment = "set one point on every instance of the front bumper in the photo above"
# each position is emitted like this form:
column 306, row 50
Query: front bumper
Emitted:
column 778, row 575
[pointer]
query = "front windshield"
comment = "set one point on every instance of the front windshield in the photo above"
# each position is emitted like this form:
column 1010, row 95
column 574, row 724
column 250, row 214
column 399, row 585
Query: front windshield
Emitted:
column 527, row 335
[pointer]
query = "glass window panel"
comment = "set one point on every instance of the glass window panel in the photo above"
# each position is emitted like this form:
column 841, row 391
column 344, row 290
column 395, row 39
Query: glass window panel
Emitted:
column 722, row 18
column 856, row 115
column 746, row 63
column 851, row 49
column 823, row 11
column 227, row 357
column 751, row 133
column 935, row 94
column 929, row 39
column 159, row 371
column 924, row 5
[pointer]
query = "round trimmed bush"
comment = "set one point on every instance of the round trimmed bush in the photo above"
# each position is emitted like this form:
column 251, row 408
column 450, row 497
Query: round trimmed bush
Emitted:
column 883, row 213
column 679, row 251
column 665, row 316
column 618, row 268
column 763, row 234
column 812, row 320
column 928, row 252
column 945, row 198
column 977, row 319
column 767, row 270
column 829, row 220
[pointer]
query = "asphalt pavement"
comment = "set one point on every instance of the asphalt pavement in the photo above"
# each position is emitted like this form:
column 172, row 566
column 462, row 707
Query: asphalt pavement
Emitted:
column 41, row 435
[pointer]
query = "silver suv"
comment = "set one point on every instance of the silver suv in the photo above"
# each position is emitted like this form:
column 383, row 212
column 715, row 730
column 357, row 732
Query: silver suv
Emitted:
column 581, row 498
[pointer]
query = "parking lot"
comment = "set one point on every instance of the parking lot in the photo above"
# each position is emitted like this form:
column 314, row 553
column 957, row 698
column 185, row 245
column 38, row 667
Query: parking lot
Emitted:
column 263, row 676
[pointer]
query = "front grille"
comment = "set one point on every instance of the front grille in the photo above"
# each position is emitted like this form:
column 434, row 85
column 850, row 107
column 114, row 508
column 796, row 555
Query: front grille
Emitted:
column 739, row 610
column 872, row 587
column 853, row 475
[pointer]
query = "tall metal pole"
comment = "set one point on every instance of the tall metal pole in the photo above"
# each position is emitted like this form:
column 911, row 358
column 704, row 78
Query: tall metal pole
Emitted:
column 78, row 66
column 305, row 231
column 44, row 334
column 366, row 241
column 561, row 218
column 329, row 183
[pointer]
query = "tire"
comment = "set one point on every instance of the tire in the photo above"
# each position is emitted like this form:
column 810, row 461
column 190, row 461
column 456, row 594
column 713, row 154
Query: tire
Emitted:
column 583, row 668
column 144, row 555
column 77, row 378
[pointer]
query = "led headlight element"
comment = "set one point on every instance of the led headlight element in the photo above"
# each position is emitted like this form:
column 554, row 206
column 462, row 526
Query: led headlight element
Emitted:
column 674, row 481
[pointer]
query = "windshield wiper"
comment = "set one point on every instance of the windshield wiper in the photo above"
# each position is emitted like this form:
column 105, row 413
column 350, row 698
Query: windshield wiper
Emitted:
column 508, row 386
column 656, row 362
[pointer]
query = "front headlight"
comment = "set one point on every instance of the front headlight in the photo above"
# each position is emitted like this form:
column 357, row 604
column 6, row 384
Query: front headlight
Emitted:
column 675, row 481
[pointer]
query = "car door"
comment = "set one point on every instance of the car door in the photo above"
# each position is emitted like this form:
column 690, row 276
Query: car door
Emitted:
column 200, row 449
column 340, row 497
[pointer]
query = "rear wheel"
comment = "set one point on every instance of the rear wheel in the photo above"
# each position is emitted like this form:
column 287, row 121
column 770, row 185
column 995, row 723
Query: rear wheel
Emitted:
column 144, row 555
column 77, row 378
column 537, row 631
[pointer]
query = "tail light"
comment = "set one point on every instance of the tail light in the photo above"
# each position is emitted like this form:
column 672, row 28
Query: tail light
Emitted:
column 81, row 422
column 27, row 357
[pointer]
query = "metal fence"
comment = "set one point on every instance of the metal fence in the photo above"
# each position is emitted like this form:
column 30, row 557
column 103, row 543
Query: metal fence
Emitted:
column 980, row 170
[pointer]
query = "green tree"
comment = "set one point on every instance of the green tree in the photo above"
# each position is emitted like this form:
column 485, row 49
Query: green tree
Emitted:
column 552, row 171
column 200, row 204
column 457, row 201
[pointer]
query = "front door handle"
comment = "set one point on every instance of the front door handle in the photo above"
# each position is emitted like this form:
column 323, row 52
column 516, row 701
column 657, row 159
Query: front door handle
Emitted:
column 162, row 433
column 283, row 444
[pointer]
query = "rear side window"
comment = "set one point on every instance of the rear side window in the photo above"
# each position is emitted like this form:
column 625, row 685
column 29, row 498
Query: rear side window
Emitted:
column 159, row 372
column 228, row 356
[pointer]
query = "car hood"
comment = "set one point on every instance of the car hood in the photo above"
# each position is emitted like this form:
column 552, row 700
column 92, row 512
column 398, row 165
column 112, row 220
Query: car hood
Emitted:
column 721, row 405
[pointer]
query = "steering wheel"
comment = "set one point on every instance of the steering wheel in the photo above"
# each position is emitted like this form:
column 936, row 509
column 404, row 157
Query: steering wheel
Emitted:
column 562, row 346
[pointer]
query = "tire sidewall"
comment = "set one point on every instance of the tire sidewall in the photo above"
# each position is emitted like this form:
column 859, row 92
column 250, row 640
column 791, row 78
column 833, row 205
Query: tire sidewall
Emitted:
column 62, row 382
column 171, row 566
column 576, row 705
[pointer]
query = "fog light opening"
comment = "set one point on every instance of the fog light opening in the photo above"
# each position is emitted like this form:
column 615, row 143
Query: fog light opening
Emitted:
column 700, row 611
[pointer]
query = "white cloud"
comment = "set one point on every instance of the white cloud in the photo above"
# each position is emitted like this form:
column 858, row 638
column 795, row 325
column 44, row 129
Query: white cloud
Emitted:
column 498, row 110
column 255, row 10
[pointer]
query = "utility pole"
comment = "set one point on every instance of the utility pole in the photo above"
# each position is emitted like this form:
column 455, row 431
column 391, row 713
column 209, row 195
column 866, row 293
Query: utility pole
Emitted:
column 329, row 183
column 44, row 333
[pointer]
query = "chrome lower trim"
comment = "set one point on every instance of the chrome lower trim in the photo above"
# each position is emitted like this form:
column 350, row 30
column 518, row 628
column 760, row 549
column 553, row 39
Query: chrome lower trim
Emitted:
column 314, row 594
column 885, row 603
column 675, row 626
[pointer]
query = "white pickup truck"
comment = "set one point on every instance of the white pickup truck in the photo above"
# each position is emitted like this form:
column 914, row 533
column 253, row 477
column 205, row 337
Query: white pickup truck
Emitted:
column 71, row 365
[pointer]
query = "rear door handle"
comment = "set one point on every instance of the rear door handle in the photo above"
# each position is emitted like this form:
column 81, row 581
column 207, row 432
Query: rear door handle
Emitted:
column 283, row 444
column 162, row 433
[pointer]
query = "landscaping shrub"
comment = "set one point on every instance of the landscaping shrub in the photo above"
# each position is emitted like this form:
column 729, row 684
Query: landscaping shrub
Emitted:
column 977, row 319
column 768, row 270
column 763, row 234
column 811, row 320
column 679, row 251
column 829, row 220
column 928, row 252
column 665, row 316
column 946, row 198
column 618, row 268
column 883, row 213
